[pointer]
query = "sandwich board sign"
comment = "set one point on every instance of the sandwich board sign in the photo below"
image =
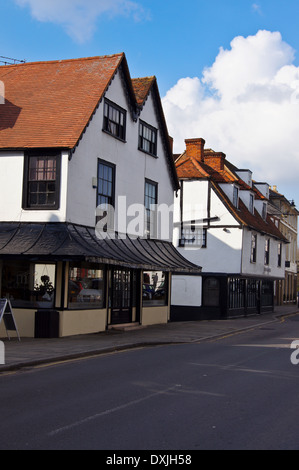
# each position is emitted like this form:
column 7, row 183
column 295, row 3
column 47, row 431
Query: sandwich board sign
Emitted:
column 6, row 314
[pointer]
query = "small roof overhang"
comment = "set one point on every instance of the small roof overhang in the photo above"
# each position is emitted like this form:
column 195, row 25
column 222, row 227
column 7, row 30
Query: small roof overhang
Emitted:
column 70, row 242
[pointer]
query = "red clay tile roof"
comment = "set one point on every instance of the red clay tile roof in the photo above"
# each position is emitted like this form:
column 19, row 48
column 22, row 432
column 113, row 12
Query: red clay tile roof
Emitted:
column 48, row 104
column 245, row 217
column 189, row 167
column 141, row 87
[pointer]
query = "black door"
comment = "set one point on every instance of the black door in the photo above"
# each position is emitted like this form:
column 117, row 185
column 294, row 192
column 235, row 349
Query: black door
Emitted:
column 121, row 296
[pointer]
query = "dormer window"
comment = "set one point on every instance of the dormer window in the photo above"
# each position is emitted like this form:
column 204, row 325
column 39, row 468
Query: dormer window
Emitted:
column 236, row 196
column 264, row 211
column 251, row 203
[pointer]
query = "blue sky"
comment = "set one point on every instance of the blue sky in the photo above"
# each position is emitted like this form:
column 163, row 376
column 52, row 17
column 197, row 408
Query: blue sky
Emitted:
column 227, row 70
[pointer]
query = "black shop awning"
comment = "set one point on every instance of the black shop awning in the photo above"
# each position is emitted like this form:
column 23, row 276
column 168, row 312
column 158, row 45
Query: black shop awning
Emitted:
column 65, row 241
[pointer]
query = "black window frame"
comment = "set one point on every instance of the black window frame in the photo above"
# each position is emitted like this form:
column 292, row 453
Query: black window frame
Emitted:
column 109, row 123
column 41, row 153
column 267, row 252
column 148, row 210
column 111, row 198
column 279, row 254
column 142, row 140
column 253, row 252
column 193, row 236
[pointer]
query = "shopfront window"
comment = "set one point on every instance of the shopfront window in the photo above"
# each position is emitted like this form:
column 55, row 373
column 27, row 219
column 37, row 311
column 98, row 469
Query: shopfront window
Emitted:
column 211, row 292
column 86, row 286
column 154, row 289
column 28, row 284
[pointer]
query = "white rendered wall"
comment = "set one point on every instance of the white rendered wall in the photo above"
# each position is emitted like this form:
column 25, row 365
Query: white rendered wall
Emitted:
column 186, row 290
column 259, row 268
column 11, row 191
column 132, row 165
column 224, row 247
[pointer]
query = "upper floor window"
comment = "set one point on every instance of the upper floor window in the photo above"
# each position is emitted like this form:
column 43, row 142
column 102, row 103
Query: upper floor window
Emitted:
column 41, row 180
column 114, row 120
column 267, row 251
column 150, row 201
column 105, row 183
column 147, row 138
column 105, row 191
column 253, row 248
column 193, row 236
column 279, row 252
column 236, row 197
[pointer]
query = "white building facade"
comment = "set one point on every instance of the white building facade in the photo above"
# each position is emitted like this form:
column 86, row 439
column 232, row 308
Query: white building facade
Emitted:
column 89, row 137
column 222, row 224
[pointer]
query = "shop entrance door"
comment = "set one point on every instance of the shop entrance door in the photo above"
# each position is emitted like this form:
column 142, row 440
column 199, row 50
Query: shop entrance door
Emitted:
column 121, row 296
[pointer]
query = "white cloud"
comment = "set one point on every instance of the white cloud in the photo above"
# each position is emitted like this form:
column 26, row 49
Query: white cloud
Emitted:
column 79, row 17
column 256, row 8
column 245, row 105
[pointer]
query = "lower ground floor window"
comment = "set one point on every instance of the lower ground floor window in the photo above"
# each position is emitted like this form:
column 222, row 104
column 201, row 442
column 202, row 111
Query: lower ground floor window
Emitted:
column 28, row 284
column 154, row 288
column 237, row 293
column 211, row 292
column 267, row 293
column 86, row 286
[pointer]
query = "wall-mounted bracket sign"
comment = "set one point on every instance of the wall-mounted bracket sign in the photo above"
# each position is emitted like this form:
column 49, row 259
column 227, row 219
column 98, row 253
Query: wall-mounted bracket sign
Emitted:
column 6, row 314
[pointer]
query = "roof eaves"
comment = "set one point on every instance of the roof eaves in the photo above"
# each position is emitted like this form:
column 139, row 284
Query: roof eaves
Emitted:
column 131, row 96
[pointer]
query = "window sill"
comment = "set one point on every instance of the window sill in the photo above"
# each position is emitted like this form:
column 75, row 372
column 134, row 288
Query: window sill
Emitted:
column 115, row 136
column 41, row 208
column 148, row 153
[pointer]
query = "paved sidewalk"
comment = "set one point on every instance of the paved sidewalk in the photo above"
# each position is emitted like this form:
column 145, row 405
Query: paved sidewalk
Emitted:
column 34, row 351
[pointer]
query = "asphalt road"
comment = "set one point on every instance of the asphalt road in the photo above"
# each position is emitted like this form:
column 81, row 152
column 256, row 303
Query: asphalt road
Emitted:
column 239, row 392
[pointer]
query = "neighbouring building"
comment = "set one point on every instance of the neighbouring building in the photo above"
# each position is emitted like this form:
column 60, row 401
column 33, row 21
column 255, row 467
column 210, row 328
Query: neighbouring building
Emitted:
column 75, row 135
column 285, row 216
column 222, row 223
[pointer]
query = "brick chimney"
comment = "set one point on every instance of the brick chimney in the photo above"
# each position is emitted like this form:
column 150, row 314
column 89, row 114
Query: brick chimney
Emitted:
column 215, row 160
column 195, row 148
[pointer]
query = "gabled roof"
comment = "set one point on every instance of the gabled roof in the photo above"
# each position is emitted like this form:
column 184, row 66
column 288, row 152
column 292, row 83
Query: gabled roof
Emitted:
column 49, row 104
column 141, row 87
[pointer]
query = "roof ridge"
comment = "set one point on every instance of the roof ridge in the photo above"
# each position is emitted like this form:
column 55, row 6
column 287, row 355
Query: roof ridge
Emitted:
column 149, row 77
column 56, row 61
